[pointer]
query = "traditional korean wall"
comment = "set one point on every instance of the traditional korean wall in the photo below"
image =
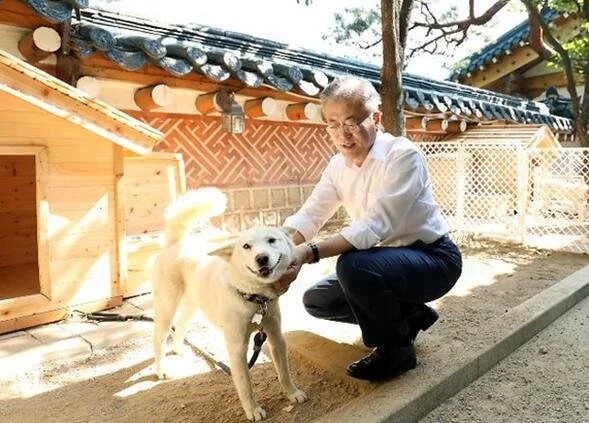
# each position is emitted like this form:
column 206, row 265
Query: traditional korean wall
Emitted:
column 267, row 172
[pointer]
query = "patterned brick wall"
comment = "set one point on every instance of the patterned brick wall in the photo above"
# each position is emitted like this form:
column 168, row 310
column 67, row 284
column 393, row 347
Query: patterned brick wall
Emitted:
column 267, row 172
column 266, row 153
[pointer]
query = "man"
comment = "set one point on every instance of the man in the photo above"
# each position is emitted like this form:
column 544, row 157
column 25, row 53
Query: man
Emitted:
column 395, row 255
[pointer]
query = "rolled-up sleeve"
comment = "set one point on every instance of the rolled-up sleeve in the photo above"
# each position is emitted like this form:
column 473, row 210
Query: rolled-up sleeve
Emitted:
column 317, row 209
column 402, row 183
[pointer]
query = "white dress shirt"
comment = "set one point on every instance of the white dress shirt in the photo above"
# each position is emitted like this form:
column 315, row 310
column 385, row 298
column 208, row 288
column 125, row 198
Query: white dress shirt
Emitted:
column 388, row 198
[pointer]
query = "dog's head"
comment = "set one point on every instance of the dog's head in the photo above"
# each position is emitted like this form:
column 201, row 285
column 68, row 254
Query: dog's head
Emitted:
column 263, row 253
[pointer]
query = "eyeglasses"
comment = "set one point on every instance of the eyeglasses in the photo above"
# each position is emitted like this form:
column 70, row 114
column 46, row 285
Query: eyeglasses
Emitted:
column 350, row 128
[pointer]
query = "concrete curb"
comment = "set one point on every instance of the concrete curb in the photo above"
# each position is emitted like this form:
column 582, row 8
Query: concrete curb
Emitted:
column 417, row 393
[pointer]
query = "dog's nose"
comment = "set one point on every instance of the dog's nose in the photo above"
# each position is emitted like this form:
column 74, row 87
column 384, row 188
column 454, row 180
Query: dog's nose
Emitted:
column 262, row 259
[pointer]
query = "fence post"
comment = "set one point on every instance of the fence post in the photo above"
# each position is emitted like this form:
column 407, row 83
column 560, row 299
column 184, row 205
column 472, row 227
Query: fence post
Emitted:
column 461, row 187
column 523, row 188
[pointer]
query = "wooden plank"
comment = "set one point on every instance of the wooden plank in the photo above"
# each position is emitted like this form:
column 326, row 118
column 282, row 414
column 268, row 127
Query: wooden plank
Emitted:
column 23, row 185
column 120, row 227
column 83, row 278
column 14, row 203
column 66, row 244
column 83, row 152
column 21, row 317
column 81, row 221
column 81, row 174
column 17, row 221
column 16, row 165
column 81, row 198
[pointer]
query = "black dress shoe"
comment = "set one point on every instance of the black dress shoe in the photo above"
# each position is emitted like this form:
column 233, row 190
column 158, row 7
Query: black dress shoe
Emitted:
column 383, row 363
column 421, row 318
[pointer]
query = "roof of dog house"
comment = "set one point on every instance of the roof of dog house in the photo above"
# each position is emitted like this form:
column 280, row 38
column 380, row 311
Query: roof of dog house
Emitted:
column 528, row 136
column 34, row 86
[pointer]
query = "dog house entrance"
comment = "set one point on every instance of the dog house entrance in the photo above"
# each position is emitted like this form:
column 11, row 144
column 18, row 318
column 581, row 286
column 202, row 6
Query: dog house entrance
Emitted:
column 19, row 268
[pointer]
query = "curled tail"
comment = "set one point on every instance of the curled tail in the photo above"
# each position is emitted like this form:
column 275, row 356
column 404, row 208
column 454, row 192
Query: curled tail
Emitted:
column 190, row 207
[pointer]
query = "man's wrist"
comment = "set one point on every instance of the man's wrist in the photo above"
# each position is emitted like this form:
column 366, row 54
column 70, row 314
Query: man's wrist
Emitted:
column 313, row 257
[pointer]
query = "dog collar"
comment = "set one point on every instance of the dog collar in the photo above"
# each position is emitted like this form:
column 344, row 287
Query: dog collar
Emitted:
column 261, row 301
column 254, row 298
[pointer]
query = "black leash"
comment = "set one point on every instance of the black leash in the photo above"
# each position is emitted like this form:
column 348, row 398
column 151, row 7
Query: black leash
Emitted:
column 101, row 316
column 259, row 337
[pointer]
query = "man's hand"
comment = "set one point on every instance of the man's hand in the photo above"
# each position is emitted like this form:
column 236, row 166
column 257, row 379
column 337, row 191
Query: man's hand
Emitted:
column 298, row 259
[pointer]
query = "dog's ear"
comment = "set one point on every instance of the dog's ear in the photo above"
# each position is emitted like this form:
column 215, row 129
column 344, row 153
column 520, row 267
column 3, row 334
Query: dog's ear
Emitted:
column 290, row 232
column 223, row 251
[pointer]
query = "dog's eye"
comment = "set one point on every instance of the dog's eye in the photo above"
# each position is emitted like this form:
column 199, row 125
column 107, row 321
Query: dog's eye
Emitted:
column 271, row 240
column 246, row 246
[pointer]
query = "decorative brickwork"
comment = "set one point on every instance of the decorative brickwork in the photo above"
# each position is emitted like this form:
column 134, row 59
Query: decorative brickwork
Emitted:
column 267, row 172
column 266, row 153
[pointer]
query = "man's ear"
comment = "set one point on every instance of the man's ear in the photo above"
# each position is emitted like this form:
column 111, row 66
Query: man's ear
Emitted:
column 377, row 117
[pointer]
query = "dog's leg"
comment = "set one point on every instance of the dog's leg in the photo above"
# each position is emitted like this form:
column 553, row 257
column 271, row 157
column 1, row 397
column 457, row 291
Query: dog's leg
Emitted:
column 236, row 338
column 164, row 307
column 184, row 315
column 280, row 359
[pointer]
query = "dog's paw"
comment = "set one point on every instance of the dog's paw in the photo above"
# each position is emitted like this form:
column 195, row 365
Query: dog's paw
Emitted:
column 256, row 414
column 297, row 396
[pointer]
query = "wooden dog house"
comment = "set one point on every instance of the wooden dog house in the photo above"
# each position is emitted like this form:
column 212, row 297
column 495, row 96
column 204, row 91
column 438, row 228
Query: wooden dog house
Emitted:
column 70, row 196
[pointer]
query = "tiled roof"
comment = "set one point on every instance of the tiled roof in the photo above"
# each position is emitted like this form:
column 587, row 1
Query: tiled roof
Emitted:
column 510, row 40
column 131, row 42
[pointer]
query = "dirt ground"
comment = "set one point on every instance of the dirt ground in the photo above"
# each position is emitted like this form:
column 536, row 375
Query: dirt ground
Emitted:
column 118, row 384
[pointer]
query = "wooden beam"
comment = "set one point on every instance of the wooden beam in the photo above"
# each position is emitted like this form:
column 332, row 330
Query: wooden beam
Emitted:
column 454, row 126
column 67, row 69
column 503, row 67
column 300, row 111
column 212, row 102
column 39, row 44
column 259, row 107
column 542, row 82
column 150, row 98
column 522, row 56
column 414, row 123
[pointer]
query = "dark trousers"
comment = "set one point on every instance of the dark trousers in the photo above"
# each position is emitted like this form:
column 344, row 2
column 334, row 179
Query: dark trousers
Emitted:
column 379, row 287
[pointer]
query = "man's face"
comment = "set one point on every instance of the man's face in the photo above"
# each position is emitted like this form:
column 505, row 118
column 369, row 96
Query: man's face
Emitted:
column 351, row 128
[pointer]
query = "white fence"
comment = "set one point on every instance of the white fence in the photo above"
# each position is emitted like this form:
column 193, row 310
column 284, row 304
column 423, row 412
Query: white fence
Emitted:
column 539, row 197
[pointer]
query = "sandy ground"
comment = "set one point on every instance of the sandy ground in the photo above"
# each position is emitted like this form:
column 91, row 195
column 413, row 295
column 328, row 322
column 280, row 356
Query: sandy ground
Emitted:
column 118, row 384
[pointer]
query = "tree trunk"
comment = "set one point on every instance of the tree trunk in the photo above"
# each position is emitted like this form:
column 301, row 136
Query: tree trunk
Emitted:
column 391, row 88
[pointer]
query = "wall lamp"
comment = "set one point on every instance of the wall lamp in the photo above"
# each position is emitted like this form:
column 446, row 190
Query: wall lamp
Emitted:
column 233, row 116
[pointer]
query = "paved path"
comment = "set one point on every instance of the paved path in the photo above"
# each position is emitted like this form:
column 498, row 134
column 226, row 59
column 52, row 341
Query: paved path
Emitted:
column 545, row 380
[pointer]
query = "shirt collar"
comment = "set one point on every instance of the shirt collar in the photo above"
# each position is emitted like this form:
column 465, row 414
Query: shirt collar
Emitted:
column 378, row 151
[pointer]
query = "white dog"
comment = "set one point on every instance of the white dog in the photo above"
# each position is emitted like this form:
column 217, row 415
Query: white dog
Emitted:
column 232, row 294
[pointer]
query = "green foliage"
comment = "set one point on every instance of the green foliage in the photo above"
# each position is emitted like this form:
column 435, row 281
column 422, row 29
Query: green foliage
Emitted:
column 578, row 47
column 356, row 25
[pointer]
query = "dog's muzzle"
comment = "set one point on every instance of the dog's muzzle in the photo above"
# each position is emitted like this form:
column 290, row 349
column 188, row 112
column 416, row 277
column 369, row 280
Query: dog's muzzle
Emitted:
column 265, row 271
